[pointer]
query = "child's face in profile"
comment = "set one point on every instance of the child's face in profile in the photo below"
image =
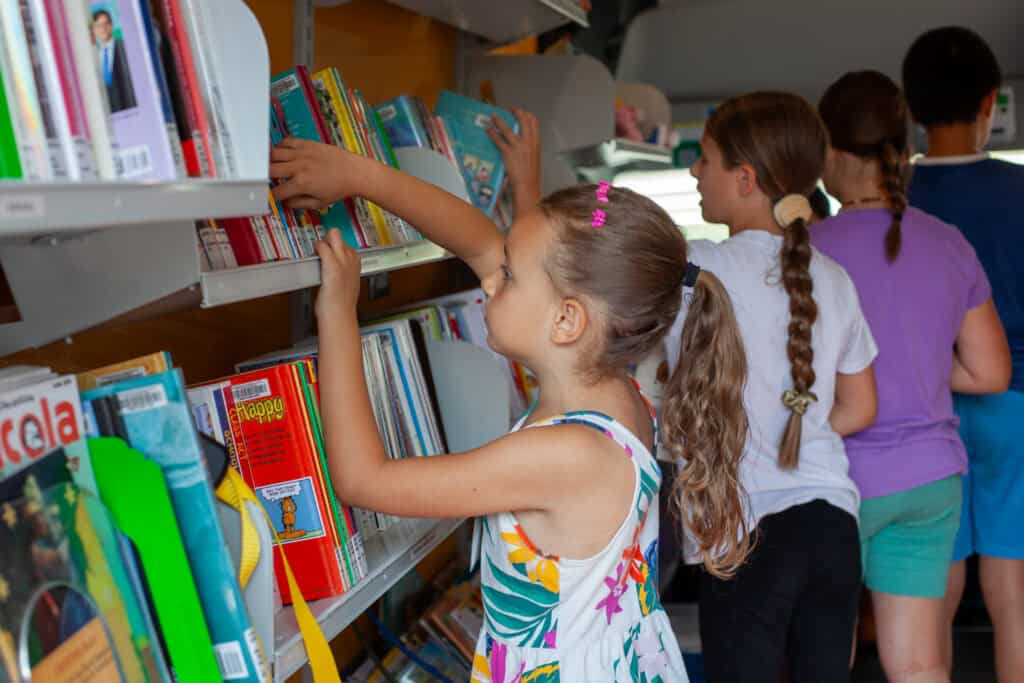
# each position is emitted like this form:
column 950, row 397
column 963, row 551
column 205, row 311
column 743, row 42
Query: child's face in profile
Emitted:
column 715, row 183
column 521, row 297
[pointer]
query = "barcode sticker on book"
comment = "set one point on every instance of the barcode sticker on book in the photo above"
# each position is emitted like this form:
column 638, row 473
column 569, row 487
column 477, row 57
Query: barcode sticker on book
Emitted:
column 256, row 653
column 146, row 398
column 284, row 85
column 133, row 161
column 230, row 660
column 117, row 377
column 251, row 390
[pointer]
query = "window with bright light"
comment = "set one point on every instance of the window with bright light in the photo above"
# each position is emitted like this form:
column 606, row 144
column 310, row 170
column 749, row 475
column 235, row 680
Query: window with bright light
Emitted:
column 675, row 191
column 1015, row 156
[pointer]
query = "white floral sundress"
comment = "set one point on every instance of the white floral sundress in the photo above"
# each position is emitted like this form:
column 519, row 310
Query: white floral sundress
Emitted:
column 549, row 619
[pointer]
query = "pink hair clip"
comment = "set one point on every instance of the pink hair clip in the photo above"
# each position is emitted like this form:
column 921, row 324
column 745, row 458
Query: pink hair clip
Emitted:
column 599, row 217
column 602, row 191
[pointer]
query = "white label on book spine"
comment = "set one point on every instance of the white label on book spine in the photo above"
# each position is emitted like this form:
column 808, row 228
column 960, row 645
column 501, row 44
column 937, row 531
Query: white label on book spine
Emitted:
column 145, row 398
column 22, row 206
column 118, row 377
column 133, row 161
column 255, row 653
column 284, row 85
column 230, row 660
column 251, row 391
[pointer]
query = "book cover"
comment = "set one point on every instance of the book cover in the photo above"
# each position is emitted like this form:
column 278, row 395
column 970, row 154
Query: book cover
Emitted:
column 78, row 22
column 158, row 422
column 401, row 121
column 279, row 462
column 296, row 118
column 22, row 95
column 50, row 92
column 73, row 103
column 298, row 221
column 482, row 166
column 36, row 419
column 120, row 48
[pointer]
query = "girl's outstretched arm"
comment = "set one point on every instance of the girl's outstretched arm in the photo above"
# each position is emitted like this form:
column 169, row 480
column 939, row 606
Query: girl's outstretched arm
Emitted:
column 526, row 470
column 317, row 175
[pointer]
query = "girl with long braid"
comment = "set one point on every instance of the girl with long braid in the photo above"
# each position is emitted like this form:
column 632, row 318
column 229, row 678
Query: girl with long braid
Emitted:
column 929, row 304
column 789, row 599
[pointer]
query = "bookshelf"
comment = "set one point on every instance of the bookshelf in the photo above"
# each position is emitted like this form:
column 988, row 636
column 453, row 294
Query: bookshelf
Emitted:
column 498, row 22
column 473, row 396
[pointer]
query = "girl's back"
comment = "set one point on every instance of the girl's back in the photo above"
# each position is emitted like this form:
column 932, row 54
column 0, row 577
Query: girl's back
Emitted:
column 748, row 265
column 590, row 619
column 915, row 306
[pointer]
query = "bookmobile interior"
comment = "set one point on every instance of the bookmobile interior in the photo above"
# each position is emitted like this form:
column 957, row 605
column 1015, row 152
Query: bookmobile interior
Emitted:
column 96, row 272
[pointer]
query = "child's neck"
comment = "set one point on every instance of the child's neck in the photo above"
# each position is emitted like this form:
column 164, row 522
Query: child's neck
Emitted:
column 958, row 139
column 559, row 394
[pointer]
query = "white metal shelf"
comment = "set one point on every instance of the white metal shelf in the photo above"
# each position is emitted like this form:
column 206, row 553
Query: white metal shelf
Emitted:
column 389, row 555
column 499, row 22
column 618, row 153
column 43, row 209
column 251, row 282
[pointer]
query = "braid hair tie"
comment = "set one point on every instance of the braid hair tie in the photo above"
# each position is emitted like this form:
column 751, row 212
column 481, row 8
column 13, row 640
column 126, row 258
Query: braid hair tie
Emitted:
column 798, row 402
column 790, row 208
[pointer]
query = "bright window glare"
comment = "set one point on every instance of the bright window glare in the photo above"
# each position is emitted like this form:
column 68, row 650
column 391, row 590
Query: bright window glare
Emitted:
column 676, row 192
column 1015, row 156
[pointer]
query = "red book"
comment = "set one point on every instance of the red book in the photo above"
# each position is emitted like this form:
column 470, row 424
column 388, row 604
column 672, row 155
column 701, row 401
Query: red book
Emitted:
column 243, row 240
column 279, row 461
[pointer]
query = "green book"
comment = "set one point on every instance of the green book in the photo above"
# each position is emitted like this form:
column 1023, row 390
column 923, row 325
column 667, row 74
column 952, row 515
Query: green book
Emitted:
column 10, row 164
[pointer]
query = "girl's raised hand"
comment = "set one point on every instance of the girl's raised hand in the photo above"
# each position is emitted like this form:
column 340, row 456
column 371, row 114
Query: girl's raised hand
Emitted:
column 313, row 175
column 521, row 152
column 339, row 276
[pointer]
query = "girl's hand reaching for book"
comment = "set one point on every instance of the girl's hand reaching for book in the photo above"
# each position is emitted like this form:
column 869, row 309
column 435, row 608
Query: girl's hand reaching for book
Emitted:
column 313, row 175
column 339, row 275
column 521, row 154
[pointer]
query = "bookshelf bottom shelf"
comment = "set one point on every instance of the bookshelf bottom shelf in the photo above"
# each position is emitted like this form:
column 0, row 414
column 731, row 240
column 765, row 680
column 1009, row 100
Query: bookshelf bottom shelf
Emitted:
column 389, row 556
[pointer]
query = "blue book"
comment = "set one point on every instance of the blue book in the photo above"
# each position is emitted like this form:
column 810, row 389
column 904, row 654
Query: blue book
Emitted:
column 482, row 166
column 401, row 120
column 154, row 415
column 300, row 121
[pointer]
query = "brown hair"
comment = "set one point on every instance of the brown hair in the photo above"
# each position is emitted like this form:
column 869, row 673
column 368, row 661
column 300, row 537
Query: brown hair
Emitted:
column 783, row 139
column 632, row 267
column 866, row 115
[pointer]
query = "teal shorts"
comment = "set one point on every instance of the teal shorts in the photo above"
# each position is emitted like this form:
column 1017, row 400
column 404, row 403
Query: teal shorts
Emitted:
column 906, row 538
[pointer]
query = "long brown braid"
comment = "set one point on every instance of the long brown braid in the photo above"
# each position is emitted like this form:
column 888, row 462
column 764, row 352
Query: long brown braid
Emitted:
column 866, row 115
column 783, row 139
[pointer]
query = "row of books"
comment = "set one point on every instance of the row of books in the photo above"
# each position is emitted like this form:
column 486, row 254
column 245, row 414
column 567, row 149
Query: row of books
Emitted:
column 320, row 107
column 110, row 89
column 182, row 616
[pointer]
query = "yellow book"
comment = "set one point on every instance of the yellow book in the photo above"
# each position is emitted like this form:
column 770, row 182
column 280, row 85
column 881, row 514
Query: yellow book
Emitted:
column 330, row 81
column 153, row 364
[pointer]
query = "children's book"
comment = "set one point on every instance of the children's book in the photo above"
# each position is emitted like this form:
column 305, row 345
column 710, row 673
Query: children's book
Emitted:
column 482, row 166
column 37, row 419
column 154, row 414
column 10, row 163
column 277, row 458
column 152, row 364
column 157, row 49
column 401, row 120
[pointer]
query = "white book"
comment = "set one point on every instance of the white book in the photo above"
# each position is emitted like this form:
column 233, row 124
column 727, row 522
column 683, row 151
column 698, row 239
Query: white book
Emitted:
column 90, row 80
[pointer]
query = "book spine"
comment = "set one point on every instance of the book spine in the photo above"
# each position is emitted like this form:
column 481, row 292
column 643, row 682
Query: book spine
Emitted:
column 208, row 241
column 181, row 58
column 20, row 85
column 10, row 161
column 243, row 242
column 154, row 40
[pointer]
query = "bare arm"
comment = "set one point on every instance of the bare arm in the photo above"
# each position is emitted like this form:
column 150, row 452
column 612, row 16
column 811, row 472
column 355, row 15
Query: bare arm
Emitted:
column 525, row 470
column 981, row 360
column 856, row 402
column 319, row 175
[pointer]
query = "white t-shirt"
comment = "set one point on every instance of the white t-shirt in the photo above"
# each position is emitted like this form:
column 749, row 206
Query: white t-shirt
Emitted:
column 748, row 266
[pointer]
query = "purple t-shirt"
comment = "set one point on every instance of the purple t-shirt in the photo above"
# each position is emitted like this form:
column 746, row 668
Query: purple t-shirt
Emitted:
column 915, row 307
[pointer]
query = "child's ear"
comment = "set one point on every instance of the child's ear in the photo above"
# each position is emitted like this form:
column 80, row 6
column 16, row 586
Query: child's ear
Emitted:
column 988, row 104
column 746, row 180
column 570, row 322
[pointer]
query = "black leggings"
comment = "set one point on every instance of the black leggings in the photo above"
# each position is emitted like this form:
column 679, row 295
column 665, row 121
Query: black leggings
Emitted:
column 792, row 607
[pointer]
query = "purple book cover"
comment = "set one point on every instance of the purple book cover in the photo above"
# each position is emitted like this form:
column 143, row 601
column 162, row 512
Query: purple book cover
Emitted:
column 142, row 149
